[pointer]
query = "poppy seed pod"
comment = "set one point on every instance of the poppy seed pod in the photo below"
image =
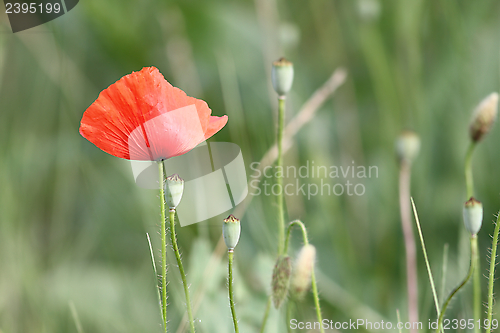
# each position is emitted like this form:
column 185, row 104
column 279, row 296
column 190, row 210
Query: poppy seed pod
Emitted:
column 483, row 117
column 302, row 271
column 174, row 187
column 473, row 215
column 282, row 76
column 281, row 280
column 231, row 230
column 407, row 146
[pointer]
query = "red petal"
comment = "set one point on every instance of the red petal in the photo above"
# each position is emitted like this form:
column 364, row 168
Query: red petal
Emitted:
column 215, row 125
column 130, row 118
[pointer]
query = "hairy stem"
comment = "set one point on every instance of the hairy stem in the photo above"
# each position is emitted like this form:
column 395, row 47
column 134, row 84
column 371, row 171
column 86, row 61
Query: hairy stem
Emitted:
column 469, row 182
column 464, row 282
column 163, row 248
column 476, row 279
column 491, row 277
column 230, row 255
column 314, row 286
column 181, row 269
column 409, row 239
column 279, row 180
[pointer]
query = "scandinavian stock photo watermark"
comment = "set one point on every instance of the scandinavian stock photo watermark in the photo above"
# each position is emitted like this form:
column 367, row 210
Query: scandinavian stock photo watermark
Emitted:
column 311, row 179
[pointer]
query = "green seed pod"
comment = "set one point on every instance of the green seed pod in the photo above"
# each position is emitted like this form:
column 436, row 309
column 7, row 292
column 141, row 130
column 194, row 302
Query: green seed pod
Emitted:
column 473, row 215
column 281, row 280
column 174, row 187
column 282, row 76
column 231, row 230
column 302, row 272
column 407, row 146
column 483, row 117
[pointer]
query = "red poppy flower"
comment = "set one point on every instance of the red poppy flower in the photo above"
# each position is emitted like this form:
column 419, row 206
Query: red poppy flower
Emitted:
column 143, row 117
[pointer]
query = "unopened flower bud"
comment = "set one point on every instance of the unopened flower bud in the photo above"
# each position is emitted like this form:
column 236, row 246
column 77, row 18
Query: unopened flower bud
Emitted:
column 302, row 271
column 483, row 117
column 473, row 215
column 282, row 76
column 231, row 230
column 281, row 280
column 407, row 146
column 174, row 187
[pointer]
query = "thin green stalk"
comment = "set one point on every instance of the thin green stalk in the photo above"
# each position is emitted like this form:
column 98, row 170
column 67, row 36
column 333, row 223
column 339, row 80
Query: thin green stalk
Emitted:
column 279, row 180
column 181, row 269
column 266, row 315
column 314, row 286
column 316, row 300
column 491, row 278
column 230, row 255
column 476, row 279
column 444, row 271
column 289, row 315
column 289, row 230
column 476, row 285
column 468, row 170
column 464, row 282
column 163, row 248
column 427, row 264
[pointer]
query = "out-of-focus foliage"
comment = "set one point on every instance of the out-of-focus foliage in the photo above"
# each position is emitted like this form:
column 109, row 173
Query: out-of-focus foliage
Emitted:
column 73, row 222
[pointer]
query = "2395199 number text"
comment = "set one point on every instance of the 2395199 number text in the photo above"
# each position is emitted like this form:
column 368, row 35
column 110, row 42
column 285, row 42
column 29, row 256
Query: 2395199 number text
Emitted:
column 32, row 8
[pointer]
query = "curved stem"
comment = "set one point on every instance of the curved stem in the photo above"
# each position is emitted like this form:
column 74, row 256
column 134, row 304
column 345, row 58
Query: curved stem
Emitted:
column 289, row 230
column 314, row 286
column 163, row 248
column 181, row 269
column 230, row 284
column 464, row 282
column 266, row 315
column 409, row 239
column 476, row 279
column 491, row 278
column 279, row 180
column 468, row 170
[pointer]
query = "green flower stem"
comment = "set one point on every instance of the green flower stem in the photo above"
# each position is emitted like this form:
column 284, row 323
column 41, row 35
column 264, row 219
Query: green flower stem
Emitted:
column 181, row 269
column 473, row 242
column 289, row 314
column 491, row 279
column 476, row 279
column 279, row 180
column 476, row 283
column 266, row 315
column 230, row 255
column 163, row 248
column 468, row 170
column 314, row 286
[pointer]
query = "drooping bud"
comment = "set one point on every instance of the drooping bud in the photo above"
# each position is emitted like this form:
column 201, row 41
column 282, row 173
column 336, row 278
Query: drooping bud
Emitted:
column 282, row 76
column 231, row 230
column 174, row 187
column 281, row 280
column 483, row 117
column 407, row 146
column 473, row 215
column 302, row 271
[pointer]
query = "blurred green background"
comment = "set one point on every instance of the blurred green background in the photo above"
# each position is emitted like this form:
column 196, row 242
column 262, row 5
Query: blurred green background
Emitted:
column 73, row 250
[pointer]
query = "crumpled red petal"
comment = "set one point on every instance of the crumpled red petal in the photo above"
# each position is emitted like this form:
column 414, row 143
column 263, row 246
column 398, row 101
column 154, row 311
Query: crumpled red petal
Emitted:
column 143, row 117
